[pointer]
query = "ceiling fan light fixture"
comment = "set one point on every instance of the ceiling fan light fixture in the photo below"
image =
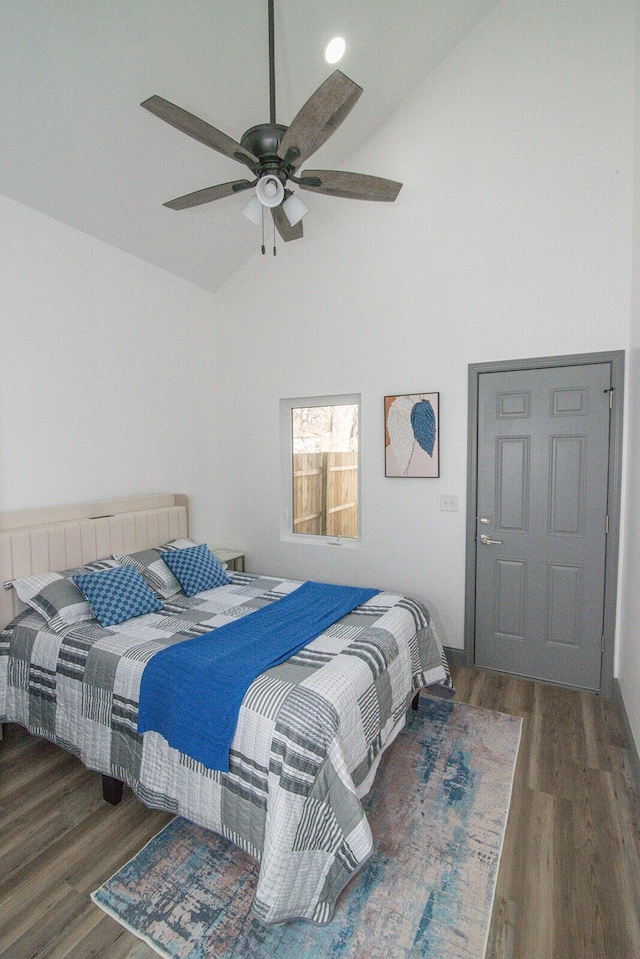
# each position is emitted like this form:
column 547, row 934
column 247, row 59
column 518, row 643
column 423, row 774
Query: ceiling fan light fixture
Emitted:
column 334, row 49
column 253, row 210
column 270, row 191
column 295, row 209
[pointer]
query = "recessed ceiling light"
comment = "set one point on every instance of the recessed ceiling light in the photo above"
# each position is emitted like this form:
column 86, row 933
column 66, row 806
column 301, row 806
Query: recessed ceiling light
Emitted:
column 334, row 50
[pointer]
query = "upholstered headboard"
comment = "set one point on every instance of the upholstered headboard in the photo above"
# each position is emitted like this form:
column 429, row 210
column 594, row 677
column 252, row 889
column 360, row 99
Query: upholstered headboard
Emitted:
column 42, row 540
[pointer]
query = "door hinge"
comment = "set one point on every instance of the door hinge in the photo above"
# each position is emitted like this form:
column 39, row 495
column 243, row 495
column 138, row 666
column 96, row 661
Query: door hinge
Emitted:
column 610, row 392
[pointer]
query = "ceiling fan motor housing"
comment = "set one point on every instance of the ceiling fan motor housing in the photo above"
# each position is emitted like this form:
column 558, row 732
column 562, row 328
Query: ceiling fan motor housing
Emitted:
column 263, row 141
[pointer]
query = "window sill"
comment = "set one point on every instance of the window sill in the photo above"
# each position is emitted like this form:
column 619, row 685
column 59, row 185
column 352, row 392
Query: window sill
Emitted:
column 307, row 539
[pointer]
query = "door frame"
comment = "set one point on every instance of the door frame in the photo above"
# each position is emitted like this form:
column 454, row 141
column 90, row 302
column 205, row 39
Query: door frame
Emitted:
column 616, row 359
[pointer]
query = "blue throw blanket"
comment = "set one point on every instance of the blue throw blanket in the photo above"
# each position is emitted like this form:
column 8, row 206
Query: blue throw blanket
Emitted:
column 191, row 692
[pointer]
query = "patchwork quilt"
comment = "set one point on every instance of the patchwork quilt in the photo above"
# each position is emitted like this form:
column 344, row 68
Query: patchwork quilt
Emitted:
column 309, row 738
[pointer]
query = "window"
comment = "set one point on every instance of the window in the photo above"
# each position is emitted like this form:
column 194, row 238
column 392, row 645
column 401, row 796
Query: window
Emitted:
column 319, row 436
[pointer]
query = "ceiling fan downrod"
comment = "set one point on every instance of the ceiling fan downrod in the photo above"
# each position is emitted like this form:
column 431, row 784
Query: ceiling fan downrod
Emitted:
column 272, row 64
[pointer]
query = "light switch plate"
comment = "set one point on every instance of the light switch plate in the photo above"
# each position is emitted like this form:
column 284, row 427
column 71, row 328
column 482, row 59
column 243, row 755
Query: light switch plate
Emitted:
column 449, row 503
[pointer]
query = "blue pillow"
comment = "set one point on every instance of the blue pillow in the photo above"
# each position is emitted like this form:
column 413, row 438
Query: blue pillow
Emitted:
column 195, row 568
column 116, row 595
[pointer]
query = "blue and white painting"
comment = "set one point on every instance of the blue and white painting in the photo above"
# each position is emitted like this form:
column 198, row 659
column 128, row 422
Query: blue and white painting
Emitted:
column 412, row 434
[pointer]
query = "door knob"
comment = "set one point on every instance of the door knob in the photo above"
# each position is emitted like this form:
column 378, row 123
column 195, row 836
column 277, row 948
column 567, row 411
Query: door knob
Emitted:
column 487, row 541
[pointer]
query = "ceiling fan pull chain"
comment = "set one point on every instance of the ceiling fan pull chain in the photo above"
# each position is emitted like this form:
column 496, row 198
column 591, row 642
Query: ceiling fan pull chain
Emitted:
column 274, row 237
column 264, row 249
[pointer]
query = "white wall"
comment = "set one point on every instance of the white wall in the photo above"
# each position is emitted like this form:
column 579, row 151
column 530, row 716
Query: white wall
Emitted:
column 511, row 238
column 629, row 657
column 106, row 385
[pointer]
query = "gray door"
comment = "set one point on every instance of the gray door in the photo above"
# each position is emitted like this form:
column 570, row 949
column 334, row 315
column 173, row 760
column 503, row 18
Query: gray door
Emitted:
column 543, row 452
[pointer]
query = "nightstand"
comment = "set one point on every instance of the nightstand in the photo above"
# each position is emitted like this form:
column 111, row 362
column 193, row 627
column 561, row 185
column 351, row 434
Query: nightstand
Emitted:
column 232, row 557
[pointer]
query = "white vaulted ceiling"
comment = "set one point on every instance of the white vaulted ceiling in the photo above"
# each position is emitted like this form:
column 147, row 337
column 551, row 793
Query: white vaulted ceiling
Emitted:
column 76, row 145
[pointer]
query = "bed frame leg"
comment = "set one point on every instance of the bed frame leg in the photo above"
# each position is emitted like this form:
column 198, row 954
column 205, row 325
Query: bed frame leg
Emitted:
column 111, row 790
column 415, row 701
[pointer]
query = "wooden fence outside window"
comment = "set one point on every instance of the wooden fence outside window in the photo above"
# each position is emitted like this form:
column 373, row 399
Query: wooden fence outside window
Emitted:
column 325, row 494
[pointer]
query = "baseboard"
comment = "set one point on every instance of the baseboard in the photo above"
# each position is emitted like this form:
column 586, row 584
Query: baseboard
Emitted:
column 455, row 657
column 631, row 743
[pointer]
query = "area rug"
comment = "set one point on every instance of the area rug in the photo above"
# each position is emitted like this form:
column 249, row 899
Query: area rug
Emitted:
column 438, row 812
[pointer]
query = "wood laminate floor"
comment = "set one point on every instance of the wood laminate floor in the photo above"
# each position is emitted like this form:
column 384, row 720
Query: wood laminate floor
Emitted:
column 569, row 880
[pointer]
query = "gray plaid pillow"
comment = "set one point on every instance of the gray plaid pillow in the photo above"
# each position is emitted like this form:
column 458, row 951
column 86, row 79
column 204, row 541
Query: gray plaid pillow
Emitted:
column 154, row 570
column 55, row 596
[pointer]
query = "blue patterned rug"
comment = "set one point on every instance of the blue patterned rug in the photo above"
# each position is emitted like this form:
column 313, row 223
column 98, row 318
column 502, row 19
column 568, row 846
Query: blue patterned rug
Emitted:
column 438, row 812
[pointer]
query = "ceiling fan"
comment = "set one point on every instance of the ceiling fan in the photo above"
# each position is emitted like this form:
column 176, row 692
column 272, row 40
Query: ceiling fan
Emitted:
column 274, row 152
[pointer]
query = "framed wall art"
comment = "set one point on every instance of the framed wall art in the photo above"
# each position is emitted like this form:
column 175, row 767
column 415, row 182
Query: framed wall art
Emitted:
column 412, row 435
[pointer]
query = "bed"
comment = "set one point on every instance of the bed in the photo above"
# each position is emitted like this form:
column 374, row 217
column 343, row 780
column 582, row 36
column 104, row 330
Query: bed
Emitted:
column 310, row 732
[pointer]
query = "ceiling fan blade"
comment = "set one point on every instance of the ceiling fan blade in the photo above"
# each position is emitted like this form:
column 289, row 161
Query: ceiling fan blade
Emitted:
column 286, row 231
column 209, row 194
column 321, row 115
column 353, row 186
column 199, row 130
